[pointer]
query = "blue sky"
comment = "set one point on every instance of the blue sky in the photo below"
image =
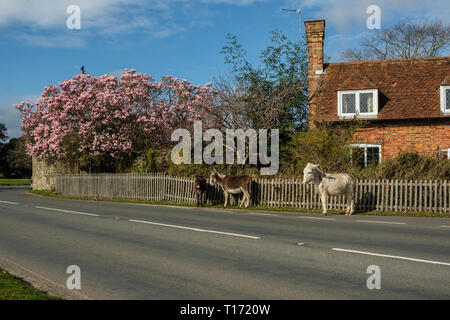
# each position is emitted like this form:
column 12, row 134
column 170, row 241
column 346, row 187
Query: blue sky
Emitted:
column 177, row 37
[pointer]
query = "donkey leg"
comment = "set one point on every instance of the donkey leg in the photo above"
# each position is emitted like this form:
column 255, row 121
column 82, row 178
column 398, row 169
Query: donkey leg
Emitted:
column 246, row 197
column 242, row 200
column 323, row 197
column 352, row 206
column 249, row 194
column 226, row 198
column 350, row 203
column 201, row 196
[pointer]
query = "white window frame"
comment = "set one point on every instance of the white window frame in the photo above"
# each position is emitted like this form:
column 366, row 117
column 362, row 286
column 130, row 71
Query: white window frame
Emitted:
column 444, row 109
column 358, row 114
column 365, row 146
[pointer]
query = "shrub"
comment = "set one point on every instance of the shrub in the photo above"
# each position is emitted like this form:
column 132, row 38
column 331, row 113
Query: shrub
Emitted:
column 325, row 144
column 406, row 166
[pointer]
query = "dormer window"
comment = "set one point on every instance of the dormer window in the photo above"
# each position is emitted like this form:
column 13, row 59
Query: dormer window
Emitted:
column 358, row 103
column 445, row 99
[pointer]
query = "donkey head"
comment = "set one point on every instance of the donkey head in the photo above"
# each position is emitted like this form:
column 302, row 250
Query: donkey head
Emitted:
column 215, row 177
column 199, row 182
column 310, row 172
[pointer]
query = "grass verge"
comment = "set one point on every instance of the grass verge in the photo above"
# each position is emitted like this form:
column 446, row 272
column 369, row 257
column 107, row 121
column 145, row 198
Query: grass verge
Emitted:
column 12, row 288
column 15, row 182
column 47, row 193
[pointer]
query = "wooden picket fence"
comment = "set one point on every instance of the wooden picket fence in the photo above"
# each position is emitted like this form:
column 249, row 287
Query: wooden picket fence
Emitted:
column 371, row 195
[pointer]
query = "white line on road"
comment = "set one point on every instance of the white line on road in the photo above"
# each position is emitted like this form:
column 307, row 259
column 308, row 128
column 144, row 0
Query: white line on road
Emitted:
column 69, row 211
column 196, row 229
column 394, row 257
column 8, row 202
column 385, row 222
column 316, row 218
column 259, row 213
column 445, row 226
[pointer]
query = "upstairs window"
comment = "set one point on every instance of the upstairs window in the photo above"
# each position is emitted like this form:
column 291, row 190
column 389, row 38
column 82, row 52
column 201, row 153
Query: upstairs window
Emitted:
column 359, row 103
column 445, row 99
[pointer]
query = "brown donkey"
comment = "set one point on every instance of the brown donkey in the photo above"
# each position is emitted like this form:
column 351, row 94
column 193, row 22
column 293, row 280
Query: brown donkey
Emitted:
column 200, row 187
column 233, row 185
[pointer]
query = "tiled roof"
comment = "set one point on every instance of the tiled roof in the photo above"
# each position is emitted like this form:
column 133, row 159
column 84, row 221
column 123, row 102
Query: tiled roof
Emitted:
column 408, row 88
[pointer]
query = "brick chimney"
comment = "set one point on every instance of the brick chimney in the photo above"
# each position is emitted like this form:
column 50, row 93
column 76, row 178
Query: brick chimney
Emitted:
column 315, row 33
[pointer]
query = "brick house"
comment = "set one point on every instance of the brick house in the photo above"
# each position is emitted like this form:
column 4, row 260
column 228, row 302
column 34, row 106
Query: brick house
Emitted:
column 406, row 102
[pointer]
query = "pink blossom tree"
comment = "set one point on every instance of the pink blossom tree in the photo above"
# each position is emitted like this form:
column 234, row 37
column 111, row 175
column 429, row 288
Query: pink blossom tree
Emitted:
column 98, row 116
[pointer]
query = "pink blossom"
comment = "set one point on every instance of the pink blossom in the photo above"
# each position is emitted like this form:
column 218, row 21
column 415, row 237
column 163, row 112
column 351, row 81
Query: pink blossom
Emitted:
column 107, row 115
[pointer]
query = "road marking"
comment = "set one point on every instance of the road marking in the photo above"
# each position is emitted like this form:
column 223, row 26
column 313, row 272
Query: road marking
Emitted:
column 445, row 226
column 394, row 257
column 159, row 205
column 260, row 214
column 195, row 229
column 385, row 222
column 8, row 202
column 317, row 218
column 300, row 243
column 69, row 211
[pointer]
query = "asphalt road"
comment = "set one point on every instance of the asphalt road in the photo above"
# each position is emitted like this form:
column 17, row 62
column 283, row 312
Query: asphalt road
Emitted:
column 128, row 251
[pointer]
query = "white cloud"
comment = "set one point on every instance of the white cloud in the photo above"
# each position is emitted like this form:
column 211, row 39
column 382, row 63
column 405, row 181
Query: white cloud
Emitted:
column 98, row 17
column 50, row 41
column 52, row 14
column 234, row 2
column 43, row 22
column 348, row 15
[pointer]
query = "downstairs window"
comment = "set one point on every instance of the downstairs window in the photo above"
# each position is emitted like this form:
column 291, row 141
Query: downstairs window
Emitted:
column 365, row 154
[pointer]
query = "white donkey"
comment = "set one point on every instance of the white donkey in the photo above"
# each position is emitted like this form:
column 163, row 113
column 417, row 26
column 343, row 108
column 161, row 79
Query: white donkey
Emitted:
column 331, row 184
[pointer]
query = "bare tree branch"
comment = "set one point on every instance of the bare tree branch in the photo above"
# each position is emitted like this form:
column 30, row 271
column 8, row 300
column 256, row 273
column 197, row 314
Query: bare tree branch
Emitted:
column 403, row 41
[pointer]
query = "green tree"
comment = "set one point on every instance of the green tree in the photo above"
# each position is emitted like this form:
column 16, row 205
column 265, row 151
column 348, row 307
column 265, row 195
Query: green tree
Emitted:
column 326, row 144
column 276, row 88
column 3, row 133
column 14, row 161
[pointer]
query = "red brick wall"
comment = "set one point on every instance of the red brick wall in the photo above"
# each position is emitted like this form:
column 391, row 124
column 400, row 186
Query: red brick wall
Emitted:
column 423, row 137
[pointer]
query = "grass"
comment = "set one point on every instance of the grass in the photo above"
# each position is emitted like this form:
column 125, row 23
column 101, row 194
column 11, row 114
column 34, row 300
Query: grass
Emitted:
column 15, row 182
column 47, row 193
column 12, row 288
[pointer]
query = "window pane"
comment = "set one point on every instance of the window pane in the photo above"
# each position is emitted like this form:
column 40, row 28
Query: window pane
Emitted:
column 447, row 99
column 373, row 155
column 358, row 157
column 349, row 103
column 366, row 102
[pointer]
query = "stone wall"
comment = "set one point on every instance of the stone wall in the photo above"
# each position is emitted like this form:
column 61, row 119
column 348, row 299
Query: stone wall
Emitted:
column 44, row 174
